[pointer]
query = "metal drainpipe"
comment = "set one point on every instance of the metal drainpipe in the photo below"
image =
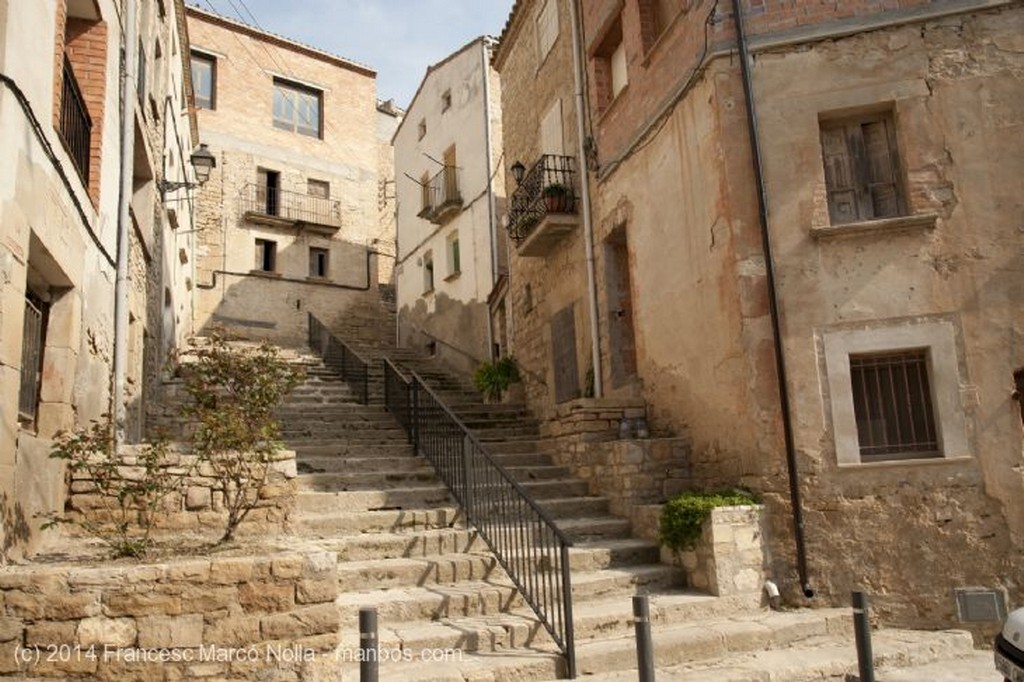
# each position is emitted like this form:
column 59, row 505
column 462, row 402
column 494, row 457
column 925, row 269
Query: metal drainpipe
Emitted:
column 588, row 226
column 773, row 307
column 492, row 223
column 127, row 165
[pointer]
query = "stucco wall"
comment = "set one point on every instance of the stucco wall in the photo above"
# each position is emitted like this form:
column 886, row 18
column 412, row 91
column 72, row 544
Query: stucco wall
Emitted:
column 454, row 312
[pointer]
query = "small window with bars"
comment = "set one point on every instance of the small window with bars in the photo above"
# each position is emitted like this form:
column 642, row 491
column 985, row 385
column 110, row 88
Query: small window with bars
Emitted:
column 319, row 261
column 892, row 403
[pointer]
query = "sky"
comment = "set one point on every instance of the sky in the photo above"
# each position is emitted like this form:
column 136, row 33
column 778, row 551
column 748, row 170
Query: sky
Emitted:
column 397, row 38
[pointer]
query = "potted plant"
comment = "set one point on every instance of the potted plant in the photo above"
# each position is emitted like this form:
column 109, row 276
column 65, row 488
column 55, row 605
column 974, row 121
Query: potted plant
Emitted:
column 494, row 379
column 558, row 198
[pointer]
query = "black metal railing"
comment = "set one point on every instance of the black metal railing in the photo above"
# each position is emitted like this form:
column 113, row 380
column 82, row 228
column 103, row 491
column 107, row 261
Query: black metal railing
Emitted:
column 340, row 358
column 548, row 187
column 31, row 361
column 75, row 123
column 524, row 539
column 274, row 201
column 441, row 194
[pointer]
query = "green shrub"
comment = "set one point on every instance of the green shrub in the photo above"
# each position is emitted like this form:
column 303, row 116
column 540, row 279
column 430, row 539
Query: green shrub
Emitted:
column 233, row 393
column 683, row 516
column 493, row 379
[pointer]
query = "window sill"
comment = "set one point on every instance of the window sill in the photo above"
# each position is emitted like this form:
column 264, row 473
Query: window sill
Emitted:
column 611, row 104
column 925, row 221
column 428, row 292
column 921, row 462
column 318, row 280
column 265, row 273
column 452, row 277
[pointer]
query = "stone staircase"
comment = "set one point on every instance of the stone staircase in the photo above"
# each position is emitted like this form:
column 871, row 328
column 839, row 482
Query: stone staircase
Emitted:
column 447, row 611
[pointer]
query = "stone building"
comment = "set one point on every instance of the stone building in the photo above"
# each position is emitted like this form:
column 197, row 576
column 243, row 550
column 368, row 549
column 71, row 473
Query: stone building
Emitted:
column 60, row 180
column 450, row 186
column 288, row 220
column 389, row 117
column 880, row 276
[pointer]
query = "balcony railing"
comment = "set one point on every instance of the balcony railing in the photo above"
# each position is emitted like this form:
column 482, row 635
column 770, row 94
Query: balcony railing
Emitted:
column 547, row 189
column 442, row 196
column 75, row 123
column 257, row 201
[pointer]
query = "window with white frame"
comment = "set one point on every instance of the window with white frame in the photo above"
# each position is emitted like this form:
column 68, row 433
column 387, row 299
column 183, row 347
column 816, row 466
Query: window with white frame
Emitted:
column 894, row 393
column 204, row 80
column 297, row 108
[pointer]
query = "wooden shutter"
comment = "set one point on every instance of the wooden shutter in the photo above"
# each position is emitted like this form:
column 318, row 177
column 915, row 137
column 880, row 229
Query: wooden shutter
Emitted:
column 882, row 188
column 563, row 355
column 861, row 173
column 840, row 176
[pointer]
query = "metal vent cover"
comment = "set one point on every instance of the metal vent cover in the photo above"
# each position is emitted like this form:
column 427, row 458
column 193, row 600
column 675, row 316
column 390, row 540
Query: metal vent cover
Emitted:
column 980, row 605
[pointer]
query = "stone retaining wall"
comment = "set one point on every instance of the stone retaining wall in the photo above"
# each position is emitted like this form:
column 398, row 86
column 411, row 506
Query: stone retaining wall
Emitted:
column 233, row 618
column 198, row 502
column 729, row 558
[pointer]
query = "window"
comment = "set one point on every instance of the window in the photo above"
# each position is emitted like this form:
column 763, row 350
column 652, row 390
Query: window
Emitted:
column 140, row 76
column 297, row 108
column 266, row 255
column 422, row 130
column 318, row 188
column 861, row 169
column 451, row 176
column 894, row 393
column 204, row 80
column 446, row 101
column 318, row 262
column 547, row 28
column 428, row 272
column 425, row 201
column 609, row 63
column 454, row 257
column 892, row 403
column 33, row 340
column 268, row 191
column 656, row 16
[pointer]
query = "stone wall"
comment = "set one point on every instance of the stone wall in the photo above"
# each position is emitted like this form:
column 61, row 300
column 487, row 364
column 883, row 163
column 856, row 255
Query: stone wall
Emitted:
column 197, row 503
column 233, row 618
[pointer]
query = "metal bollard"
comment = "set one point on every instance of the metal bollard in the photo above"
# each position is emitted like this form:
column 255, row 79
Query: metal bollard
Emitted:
column 369, row 665
column 862, row 632
column 644, row 646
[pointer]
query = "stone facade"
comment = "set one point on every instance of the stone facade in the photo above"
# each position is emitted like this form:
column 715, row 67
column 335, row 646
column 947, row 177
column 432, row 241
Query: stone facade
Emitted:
column 59, row 212
column 389, row 117
column 232, row 618
column 449, row 191
column 689, row 327
column 289, row 216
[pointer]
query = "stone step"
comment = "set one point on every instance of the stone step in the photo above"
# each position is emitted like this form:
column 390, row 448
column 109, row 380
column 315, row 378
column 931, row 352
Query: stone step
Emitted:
column 522, row 459
column 492, row 634
column 504, row 666
column 819, row 657
column 342, row 430
column 583, row 529
column 596, row 555
column 541, row 490
column 574, row 507
column 466, row 598
column 423, row 543
column 354, row 440
column 366, row 480
column 534, row 473
column 360, row 450
column 405, row 571
column 520, row 446
column 331, row 523
column 335, row 464
column 423, row 497
column 624, row 582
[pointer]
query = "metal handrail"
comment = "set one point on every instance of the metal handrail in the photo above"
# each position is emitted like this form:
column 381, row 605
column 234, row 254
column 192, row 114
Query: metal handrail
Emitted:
column 280, row 203
column 525, row 540
column 340, row 357
column 548, row 187
column 75, row 122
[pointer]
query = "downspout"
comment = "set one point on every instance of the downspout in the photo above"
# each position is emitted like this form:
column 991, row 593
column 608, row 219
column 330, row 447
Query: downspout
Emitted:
column 491, row 217
column 123, row 281
column 773, row 307
column 588, row 227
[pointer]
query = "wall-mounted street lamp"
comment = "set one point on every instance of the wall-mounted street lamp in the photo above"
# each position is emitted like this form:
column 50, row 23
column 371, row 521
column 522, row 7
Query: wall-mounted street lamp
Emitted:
column 203, row 161
column 518, row 170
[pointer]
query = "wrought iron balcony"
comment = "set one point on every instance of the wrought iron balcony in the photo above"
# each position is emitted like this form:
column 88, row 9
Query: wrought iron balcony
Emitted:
column 442, row 197
column 275, row 206
column 542, row 210
column 75, row 123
